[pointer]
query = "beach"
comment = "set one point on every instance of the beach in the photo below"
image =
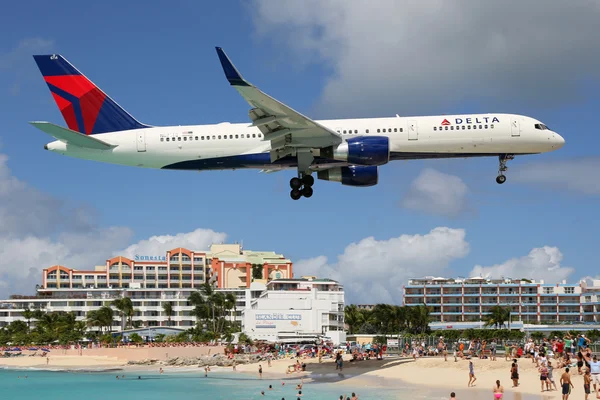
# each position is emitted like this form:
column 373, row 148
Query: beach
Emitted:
column 431, row 376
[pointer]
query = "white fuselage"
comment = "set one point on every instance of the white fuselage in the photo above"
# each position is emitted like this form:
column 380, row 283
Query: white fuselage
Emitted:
column 230, row 146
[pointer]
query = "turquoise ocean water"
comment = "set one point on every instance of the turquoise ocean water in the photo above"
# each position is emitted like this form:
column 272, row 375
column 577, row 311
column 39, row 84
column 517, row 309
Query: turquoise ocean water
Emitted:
column 61, row 385
column 56, row 385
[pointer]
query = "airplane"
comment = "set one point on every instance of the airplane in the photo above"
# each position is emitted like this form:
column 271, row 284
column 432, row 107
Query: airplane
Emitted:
column 348, row 151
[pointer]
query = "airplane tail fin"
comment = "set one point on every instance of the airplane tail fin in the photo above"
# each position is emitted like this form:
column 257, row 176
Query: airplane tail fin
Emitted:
column 84, row 106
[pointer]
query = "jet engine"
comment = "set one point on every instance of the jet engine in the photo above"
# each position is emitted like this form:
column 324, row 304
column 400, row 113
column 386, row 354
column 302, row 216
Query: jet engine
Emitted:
column 363, row 150
column 354, row 175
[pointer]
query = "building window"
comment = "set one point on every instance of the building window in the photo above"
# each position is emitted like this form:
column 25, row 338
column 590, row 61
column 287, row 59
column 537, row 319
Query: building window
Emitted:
column 548, row 290
column 395, row 129
column 196, row 137
column 237, row 136
column 569, row 290
column 167, row 139
column 356, row 131
column 446, row 128
column 401, row 130
column 463, row 127
column 254, row 135
column 179, row 138
column 492, row 126
column 367, row 131
column 344, row 131
column 162, row 139
column 452, row 128
column 435, row 128
column 378, row 130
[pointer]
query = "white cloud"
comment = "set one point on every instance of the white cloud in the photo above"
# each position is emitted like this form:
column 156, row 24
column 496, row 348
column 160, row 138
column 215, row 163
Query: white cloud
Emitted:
column 19, row 62
column 437, row 193
column 25, row 48
column 389, row 56
column 38, row 230
column 542, row 263
column 374, row 270
column 200, row 239
column 575, row 176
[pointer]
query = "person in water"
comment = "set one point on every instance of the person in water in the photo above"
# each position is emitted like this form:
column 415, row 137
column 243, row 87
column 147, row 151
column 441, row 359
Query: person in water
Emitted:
column 498, row 391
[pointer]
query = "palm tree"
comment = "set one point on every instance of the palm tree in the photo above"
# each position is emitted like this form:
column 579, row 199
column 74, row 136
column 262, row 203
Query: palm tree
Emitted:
column 497, row 317
column 201, row 309
column 230, row 304
column 168, row 310
column 418, row 318
column 126, row 311
column 208, row 292
column 102, row 318
column 28, row 315
column 352, row 317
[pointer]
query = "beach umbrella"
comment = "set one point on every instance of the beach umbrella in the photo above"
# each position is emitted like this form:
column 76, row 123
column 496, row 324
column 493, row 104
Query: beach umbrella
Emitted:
column 16, row 349
column 32, row 348
column 46, row 350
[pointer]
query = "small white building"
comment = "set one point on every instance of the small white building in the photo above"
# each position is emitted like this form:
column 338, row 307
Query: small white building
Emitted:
column 294, row 310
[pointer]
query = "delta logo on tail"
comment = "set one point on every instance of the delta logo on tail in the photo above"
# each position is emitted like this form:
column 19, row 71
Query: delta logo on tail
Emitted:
column 85, row 108
column 470, row 120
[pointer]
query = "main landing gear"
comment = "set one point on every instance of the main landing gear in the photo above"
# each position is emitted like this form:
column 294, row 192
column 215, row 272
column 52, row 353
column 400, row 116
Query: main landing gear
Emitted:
column 502, row 159
column 301, row 186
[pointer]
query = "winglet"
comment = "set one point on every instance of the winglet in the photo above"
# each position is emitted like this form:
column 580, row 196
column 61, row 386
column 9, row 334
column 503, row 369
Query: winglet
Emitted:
column 231, row 73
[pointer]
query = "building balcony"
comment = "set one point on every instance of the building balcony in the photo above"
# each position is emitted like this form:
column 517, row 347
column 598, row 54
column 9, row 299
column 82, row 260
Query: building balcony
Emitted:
column 490, row 294
column 472, row 294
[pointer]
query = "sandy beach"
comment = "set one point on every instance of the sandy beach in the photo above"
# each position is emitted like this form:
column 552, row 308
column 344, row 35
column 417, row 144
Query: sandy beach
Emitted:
column 392, row 372
column 431, row 373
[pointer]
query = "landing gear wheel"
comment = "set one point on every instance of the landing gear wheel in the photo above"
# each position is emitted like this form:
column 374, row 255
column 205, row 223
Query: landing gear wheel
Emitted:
column 307, row 191
column 295, row 194
column 502, row 159
column 295, row 183
column 308, row 180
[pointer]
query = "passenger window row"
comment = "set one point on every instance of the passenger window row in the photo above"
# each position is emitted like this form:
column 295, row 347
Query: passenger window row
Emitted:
column 355, row 131
column 464, row 127
column 213, row 137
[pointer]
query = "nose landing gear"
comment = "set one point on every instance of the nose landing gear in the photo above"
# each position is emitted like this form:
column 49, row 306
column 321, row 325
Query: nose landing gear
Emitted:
column 302, row 186
column 502, row 159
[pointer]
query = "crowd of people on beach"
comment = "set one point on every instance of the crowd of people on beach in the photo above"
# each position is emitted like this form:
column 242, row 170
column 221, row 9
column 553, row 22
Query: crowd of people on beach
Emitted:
column 547, row 356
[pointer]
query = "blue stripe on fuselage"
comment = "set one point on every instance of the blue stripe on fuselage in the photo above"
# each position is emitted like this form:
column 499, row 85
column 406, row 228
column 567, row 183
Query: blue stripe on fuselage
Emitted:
column 263, row 160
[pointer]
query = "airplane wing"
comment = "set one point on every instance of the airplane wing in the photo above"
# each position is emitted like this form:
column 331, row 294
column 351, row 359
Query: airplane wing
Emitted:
column 72, row 137
column 284, row 127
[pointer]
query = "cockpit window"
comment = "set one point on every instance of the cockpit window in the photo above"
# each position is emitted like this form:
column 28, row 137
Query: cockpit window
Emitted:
column 541, row 127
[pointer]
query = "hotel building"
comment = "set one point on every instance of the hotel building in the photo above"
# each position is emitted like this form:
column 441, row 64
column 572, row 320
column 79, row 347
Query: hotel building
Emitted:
column 308, row 307
column 470, row 299
column 152, row 281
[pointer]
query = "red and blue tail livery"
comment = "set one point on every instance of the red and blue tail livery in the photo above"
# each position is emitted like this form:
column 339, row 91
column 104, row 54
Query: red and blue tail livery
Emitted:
column 84, row 106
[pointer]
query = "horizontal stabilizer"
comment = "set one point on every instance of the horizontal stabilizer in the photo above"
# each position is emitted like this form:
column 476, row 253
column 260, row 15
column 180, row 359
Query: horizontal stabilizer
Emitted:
column 72, row 137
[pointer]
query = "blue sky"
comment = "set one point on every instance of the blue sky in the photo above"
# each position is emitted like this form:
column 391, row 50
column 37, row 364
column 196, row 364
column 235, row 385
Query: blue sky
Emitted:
column 327, row 60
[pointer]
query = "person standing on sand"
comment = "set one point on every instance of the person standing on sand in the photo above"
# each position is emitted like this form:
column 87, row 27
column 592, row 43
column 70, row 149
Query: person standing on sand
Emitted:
column 472, row 377
column 260, row 371
column 550, row 380
column 543, row 376
column 566, row 384
column 514, row 374
column 498, row 391
column 587, row 379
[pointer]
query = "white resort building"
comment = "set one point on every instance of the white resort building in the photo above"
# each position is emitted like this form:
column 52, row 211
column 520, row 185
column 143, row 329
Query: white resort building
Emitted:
column 256, row 279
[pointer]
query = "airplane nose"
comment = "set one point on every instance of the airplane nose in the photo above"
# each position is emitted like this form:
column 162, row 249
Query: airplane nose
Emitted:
column 558, row 140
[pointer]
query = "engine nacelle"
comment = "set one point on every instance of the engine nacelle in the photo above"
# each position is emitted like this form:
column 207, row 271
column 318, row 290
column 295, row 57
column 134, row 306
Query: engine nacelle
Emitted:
column 354, row 175
column 363, row 150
